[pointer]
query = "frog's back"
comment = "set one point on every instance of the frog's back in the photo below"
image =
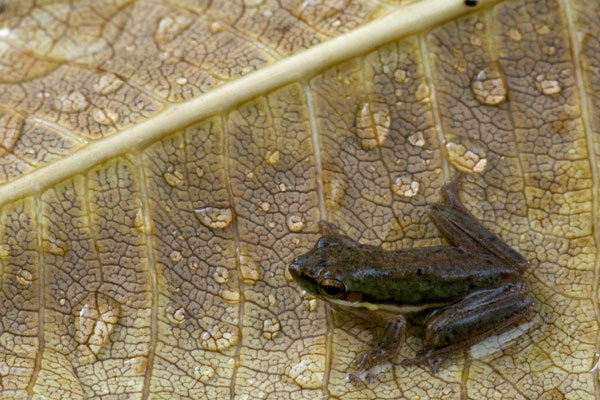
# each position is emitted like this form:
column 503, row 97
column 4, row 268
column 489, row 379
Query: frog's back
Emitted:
column 419, row 276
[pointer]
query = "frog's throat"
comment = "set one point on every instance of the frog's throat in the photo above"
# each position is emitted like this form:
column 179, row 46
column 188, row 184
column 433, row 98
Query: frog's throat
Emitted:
column 396, row 308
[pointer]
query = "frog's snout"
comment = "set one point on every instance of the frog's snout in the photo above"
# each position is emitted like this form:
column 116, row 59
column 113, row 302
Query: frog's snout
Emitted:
column 295, row 268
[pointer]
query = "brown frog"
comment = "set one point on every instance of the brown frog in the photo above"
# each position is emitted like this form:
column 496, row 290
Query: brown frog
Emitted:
column 469, row 290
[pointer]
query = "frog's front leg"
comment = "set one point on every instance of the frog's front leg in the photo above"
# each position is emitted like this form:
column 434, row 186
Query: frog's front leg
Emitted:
column 385, row 345
column 463, row 230
column 477, row 316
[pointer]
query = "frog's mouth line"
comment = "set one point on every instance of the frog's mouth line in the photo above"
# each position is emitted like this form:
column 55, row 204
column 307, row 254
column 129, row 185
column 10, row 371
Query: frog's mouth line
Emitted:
column 397, row 308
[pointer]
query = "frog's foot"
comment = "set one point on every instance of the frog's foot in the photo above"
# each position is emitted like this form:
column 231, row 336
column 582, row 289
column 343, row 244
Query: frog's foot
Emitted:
column 430, row 357
column 451, row 193
column 365, row 364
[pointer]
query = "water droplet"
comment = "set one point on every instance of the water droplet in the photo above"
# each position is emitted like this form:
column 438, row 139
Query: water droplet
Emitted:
column 231, row 296
column 176, row 316
column 214, row 217
column 372, row 124
column 405, row 186
column 94, row 320
column 566, row 72
column 138, row 220
column 401, row 75
column 249, row 271
column 273, row 157
column 282, row 187
column 199, row 172
column 489, row 85
column 221, row 275
column 216, row 27
column 71, row 103
column 24, row 278
column 4, row 251
column 311, row 305
column 314, row 11
column 422, row 93
column 139, row 223
column 173, row 176
column 265, row 206
column 549, row 50
column 271, row 328
column 107, row 83
column 476, row 41
column 175, row 256
column 541, row 29
column 306, row 372
column 479, row 26
column 253, row 3
column 514, row 34
column 417, row 139
column 295, row 222
column 171, row 56
column 105, row 116
column 204, row 373
column 55, row 246
column 193, row 265
column 62, row 301
column 460, row 66
column 170, row 27
column 220, row 337
column 181, row 80
column 335, row 185
column 466, row 160
column 547, row 87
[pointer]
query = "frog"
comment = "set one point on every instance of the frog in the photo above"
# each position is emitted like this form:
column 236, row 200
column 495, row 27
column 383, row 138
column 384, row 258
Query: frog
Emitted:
column 464, row 291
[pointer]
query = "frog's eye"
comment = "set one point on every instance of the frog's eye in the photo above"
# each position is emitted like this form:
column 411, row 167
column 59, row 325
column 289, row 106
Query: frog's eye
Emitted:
column 332, row 288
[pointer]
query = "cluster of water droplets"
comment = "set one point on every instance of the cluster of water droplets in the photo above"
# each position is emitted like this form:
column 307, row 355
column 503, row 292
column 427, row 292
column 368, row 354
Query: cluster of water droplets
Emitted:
column 221, row 336
column 215, row 217
column 463, row 158
column 489, row 85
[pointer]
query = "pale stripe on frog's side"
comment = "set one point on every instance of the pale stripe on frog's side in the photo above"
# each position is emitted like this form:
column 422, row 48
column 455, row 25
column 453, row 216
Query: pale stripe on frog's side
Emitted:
column 397, row 308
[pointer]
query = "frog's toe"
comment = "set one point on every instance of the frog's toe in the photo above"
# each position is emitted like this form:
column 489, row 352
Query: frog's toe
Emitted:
column 369, row 359
column 433, row 359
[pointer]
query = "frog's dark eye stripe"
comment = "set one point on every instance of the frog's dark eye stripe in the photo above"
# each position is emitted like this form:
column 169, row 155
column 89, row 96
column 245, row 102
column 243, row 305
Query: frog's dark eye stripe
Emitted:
column 332, row 288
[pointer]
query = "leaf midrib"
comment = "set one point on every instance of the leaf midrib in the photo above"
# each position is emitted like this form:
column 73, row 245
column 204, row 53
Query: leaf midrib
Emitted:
column 403, row 21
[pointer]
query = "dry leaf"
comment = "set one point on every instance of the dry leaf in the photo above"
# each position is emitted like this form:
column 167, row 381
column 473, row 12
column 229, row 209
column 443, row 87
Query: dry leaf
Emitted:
column 163, row 161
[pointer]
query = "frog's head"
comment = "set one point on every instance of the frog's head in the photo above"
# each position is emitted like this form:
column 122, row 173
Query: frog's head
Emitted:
column 320, row 270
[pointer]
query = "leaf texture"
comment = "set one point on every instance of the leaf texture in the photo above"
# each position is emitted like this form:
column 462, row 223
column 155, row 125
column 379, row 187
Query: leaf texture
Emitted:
column 162, row 162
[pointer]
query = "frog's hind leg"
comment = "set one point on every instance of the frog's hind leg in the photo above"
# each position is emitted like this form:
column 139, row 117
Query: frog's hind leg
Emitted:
column 472, row 319
column 463, row 230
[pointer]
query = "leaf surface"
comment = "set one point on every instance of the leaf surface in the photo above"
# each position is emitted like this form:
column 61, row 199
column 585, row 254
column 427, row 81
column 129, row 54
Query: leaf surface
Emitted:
column 162, row 162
